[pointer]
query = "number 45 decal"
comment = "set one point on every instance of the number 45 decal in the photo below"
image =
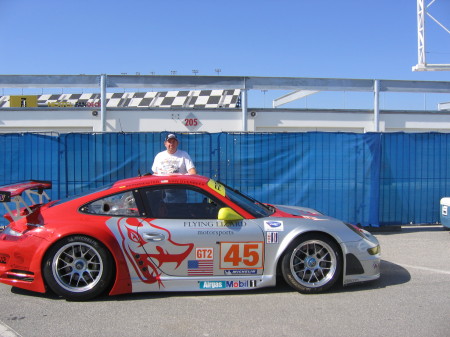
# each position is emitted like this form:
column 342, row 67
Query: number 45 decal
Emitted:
column 241, row 255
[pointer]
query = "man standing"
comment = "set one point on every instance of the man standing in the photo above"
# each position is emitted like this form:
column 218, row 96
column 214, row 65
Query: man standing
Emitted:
column 173, row 160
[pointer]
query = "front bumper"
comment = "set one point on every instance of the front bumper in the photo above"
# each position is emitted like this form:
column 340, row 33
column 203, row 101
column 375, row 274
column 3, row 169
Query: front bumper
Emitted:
column 362, row 260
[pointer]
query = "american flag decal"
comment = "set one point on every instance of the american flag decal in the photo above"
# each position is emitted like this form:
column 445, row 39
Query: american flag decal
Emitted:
column 200, row 267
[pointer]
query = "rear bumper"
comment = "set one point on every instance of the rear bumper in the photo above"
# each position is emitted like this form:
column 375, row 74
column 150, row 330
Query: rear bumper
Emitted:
column 20, row 262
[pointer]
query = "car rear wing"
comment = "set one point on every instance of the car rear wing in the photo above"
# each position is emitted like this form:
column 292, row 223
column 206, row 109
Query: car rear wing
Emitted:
column 33, row 189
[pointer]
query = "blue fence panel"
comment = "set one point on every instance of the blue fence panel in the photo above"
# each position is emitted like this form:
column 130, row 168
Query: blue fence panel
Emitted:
column 369, row 179
column 331, row 172
column 29, row 157
column 415, row 175
column 93, row 160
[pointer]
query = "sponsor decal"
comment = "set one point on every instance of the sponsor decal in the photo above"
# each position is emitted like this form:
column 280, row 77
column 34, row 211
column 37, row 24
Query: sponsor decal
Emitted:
column 228, row 284
column 26, row 101
column 273, row 226
column 241, row 255
column 351, row 281
column 272, row 237
column 214, row 224
column 204, row 253
column 212, row 284
column 312, row 218
column 4, row 258
column 219, row 188
column 215, row 233
column 241, row 272
column 5, row 196
column 200, row 267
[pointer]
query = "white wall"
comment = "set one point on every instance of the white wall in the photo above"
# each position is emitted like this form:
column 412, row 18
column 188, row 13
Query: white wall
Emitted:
column 217, row 120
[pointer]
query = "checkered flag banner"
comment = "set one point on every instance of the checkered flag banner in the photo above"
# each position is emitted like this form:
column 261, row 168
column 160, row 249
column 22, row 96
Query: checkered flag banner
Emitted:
column 208, row 99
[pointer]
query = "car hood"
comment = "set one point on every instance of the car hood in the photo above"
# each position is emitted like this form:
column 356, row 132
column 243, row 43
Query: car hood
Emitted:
column 297, row 211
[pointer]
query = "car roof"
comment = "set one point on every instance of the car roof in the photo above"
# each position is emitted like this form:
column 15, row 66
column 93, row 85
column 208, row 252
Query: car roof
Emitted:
column 161, row 179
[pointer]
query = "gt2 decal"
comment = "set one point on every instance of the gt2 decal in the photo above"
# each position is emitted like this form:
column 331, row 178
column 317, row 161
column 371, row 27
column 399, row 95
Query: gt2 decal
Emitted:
column 204, row 253
column 147, row 257
column 241, row 255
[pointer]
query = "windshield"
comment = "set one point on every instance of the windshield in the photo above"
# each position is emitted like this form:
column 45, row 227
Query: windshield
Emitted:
column 254, row 207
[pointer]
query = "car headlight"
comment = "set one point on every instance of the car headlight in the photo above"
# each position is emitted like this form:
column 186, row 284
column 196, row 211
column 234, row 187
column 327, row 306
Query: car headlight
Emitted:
column 375, row 250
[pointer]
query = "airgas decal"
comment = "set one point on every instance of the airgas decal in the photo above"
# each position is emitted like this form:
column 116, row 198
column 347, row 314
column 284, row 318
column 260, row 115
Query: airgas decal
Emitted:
column 227, row 284
column 273, row 226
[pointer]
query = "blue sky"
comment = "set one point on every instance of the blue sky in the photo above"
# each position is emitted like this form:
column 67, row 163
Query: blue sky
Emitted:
column 320, row 38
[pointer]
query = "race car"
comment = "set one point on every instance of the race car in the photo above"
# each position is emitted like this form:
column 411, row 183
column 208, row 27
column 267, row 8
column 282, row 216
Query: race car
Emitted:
column 173, row 233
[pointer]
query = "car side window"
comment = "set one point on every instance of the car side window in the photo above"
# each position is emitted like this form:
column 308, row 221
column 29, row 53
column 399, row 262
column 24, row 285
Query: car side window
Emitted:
column 173, row 202
column 121, row 204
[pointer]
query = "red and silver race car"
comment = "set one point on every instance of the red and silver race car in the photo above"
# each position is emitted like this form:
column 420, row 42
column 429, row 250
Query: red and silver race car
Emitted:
column 173, row 233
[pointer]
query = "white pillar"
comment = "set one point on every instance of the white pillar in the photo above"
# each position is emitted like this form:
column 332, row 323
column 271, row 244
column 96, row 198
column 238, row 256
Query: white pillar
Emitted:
column 244, row 109
column 376, row 105
column 103, row 102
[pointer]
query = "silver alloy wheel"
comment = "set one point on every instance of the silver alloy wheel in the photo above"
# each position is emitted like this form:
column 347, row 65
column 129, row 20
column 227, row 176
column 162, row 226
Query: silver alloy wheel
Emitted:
column 77, row 267
column 313, row 263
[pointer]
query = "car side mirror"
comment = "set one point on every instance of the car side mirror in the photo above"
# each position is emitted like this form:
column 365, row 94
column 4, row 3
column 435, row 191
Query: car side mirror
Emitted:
column 228, row 214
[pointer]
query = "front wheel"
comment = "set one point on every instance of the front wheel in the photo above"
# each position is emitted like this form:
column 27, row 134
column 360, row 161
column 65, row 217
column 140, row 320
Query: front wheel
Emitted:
column 78, row 268
column 312, row 264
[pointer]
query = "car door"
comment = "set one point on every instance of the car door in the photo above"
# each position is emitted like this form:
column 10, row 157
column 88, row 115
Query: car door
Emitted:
column 183, row 236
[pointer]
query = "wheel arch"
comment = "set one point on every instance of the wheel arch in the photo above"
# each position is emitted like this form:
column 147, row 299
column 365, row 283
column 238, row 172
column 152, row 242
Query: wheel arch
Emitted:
column 121, row 283
column 290, row 240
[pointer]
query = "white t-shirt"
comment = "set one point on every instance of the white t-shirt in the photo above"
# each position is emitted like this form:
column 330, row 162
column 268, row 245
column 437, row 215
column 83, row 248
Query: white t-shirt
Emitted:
column 166, row 163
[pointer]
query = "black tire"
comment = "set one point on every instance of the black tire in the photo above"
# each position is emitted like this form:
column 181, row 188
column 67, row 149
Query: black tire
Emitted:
column 312, row 264
column 78, row 268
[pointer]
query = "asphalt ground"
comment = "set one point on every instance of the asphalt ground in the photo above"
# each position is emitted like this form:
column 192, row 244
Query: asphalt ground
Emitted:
column 412, row 298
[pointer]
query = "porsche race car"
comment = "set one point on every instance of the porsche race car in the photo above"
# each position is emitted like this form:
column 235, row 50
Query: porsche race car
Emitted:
column 173, row 233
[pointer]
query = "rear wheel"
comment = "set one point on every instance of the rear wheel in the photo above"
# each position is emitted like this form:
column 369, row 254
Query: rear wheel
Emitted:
column 312, row 264
column 78, row 268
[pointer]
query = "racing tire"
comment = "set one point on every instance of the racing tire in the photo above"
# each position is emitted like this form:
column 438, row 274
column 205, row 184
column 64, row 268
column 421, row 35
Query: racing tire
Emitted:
column 78, row 268
column 312, row 264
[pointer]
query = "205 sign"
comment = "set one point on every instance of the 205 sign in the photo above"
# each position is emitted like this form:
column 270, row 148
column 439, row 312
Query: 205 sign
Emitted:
column 241, row 255
column 191, row 121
